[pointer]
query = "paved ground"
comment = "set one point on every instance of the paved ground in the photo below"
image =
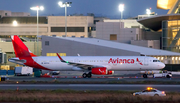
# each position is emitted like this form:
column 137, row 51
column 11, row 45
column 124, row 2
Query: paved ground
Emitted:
column 123, row 87
column 98, row 78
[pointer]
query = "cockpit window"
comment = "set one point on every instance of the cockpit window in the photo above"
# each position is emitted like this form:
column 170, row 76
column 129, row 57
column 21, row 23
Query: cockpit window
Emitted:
column 156, row 61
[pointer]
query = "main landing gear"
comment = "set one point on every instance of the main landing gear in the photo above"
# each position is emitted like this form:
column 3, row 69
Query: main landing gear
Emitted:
column 89, row 75
column 145, row 76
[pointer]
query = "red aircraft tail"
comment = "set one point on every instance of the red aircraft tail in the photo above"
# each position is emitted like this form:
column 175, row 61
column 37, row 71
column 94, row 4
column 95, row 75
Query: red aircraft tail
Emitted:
column 20, row 48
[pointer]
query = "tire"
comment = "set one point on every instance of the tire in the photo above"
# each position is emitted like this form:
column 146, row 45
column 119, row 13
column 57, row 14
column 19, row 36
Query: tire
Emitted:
column 89, row 75
column 137, row 95
column 167, row 76
column 84, row 75
column 156, row 95
column 144, row 75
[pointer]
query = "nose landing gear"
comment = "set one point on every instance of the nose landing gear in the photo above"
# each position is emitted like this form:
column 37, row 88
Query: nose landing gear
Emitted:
column 144, row 75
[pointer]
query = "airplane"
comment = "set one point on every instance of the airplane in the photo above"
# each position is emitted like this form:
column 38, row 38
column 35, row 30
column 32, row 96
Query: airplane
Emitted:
column 98, row 65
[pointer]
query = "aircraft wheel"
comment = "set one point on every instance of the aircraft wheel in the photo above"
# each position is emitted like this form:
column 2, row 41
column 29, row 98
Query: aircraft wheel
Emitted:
column 89, row 75
column 84, row 75
column 144, row 75
column 156, row 95
column 168, row 76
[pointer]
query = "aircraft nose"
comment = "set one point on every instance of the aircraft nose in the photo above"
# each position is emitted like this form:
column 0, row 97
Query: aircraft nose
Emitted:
column 162, row 65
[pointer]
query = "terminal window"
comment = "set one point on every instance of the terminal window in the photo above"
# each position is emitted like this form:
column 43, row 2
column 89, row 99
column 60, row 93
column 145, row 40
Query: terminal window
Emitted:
column 69, row 29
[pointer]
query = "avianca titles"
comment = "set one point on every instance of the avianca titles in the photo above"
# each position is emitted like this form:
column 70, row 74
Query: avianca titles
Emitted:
column 99, row 65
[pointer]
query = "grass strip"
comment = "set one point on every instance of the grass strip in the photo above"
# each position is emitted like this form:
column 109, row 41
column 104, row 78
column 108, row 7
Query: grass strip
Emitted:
column 72, row 96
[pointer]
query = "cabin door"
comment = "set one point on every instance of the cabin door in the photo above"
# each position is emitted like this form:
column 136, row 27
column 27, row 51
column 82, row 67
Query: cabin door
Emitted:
column 146, row 61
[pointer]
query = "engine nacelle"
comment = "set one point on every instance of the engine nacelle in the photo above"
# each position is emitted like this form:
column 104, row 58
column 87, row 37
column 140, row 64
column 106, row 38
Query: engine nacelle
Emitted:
column 101, row 71
column 110, row 72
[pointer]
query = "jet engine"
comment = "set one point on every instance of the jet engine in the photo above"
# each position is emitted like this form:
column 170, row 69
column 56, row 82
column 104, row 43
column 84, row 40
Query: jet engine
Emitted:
column 101, row 71
column 110, row 72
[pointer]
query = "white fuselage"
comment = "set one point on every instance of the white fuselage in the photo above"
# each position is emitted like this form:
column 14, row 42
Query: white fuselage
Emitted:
column 115, row 63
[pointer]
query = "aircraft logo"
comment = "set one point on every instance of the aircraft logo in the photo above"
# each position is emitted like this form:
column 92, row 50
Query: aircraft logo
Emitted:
column 123, row 61
column 139, row 61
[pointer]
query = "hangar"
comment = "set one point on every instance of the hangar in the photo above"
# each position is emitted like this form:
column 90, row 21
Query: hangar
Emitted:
column 71, row 46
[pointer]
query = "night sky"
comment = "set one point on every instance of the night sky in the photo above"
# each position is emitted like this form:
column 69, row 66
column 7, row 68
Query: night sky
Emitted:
column 107, row 8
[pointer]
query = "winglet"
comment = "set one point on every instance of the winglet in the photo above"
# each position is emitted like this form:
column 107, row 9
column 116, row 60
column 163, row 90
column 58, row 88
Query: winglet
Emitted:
column 60, row 58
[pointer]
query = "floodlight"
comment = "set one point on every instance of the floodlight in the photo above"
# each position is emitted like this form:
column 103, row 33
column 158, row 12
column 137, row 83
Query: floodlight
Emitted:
column 148, row 11
column 15, row 23
column 37, row 8
column 121, row 7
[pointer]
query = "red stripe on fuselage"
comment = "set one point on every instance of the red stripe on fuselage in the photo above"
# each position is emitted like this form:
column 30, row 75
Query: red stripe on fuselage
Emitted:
column 30, row 62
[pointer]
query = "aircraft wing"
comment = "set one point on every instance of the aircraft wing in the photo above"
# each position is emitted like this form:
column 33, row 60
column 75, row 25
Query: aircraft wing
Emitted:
column 80, row 65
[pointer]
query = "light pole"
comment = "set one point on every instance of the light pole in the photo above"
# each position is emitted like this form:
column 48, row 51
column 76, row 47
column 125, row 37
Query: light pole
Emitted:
column 148, row 12
column 121, row 9
column 66, row 4
column 15, row 23
column 37, row 8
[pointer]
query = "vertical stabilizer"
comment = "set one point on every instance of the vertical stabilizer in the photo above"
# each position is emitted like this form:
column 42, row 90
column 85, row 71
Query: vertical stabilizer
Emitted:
column 20, row 48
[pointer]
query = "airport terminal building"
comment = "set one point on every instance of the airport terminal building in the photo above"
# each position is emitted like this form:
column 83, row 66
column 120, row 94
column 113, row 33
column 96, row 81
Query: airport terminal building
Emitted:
column 48, row 25
column 167, row 24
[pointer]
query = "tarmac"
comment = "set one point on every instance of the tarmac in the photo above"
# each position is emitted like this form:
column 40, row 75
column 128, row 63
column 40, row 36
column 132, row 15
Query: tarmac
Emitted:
column 85, row 87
